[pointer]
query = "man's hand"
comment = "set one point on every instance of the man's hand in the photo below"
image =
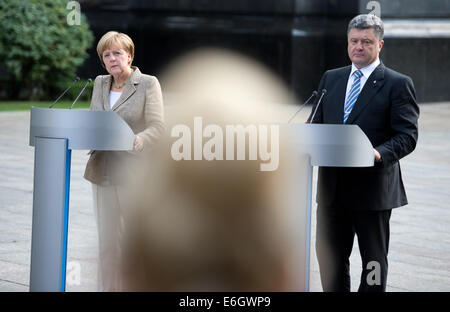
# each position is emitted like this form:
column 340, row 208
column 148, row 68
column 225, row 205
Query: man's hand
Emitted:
column 377, row 156
column 138, row 144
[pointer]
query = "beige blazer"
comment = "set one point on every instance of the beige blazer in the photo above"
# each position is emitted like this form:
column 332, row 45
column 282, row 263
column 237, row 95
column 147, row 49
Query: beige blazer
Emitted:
column 141, row 106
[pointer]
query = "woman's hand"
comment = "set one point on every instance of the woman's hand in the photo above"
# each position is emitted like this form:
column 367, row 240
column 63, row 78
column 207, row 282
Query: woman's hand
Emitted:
column 138, row 143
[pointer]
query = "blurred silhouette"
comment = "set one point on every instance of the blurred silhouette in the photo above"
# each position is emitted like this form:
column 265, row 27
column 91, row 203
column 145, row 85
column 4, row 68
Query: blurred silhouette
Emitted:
column 214, row 225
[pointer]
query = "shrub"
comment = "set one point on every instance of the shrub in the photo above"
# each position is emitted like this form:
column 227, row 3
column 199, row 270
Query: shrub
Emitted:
column 73, row 92
column 38, row 48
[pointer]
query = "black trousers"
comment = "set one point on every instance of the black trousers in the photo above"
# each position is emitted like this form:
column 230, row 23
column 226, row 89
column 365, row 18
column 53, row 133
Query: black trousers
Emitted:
column 336, row 229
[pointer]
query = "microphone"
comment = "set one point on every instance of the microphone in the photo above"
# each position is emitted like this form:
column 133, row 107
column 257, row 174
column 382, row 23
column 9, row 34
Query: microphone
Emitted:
column 313, row 95
column 318, row 103
column 65, row 91
column 82, row 90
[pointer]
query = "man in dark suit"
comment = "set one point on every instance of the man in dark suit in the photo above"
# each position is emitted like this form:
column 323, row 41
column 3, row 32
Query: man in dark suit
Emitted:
column 359, row 200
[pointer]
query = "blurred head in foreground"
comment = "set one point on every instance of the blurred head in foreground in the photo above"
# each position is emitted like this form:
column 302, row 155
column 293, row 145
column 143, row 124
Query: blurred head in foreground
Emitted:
column 219, row 224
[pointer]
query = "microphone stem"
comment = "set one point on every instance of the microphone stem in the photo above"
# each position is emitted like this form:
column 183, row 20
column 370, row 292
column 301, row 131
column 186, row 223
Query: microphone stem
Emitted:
column 82, row 90
column 75, row 81
column 317, row 106
column 303, row 105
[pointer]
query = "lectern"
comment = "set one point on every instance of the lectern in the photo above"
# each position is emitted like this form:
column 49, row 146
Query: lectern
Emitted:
column 327, row 146
column 55, row 133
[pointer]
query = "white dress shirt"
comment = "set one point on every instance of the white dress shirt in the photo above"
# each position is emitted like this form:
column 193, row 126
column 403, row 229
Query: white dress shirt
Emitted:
column 366, row 71
column 113, row 97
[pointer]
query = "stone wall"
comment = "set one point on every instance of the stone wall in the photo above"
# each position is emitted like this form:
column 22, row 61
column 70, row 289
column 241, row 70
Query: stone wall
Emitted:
column 297, row 39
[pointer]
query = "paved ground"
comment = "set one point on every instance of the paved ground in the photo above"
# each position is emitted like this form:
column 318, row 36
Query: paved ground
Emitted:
column 420, row 233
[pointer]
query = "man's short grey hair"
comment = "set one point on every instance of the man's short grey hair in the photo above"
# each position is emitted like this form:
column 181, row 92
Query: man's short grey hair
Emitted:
column 365, row 21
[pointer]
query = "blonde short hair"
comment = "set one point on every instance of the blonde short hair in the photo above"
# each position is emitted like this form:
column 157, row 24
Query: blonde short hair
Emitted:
column 114, row 37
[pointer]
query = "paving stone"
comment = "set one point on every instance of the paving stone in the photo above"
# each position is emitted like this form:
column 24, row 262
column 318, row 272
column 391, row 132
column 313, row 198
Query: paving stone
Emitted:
column 419, row 256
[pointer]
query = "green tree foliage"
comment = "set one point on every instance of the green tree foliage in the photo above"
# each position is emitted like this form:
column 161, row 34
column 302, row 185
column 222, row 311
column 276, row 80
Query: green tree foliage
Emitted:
column 38, row 47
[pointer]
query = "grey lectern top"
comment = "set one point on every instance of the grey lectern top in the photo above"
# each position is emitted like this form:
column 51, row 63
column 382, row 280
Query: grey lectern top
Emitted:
column 332, row 145
column 93, row 130
column 321, row 145
column 55, row 133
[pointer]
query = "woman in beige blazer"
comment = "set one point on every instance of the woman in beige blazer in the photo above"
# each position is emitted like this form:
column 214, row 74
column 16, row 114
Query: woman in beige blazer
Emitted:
column 136, row 98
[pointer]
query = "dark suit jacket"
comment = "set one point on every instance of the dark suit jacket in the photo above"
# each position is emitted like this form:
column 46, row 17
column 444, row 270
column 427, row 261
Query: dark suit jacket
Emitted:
column 387, row 112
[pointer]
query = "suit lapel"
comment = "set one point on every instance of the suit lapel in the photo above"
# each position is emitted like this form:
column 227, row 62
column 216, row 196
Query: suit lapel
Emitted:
column 130, row 88
column 337, row 108
column 371, row 87
column 106, row 86
column 126, row 93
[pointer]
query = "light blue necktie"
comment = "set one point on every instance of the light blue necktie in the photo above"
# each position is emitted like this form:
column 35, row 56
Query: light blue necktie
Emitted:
column 353, row 95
